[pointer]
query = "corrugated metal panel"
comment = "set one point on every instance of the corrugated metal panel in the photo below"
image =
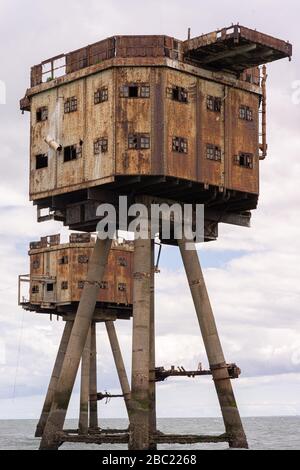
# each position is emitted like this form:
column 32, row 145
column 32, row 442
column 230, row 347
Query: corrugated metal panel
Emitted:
column 211, row 130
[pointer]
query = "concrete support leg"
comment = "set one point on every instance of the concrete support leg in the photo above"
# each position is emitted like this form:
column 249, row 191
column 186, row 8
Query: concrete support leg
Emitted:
column 85, row 387
column 232, row 420
column 152, row 384
column 140, row 423
column 93, row 381
column 76, row 345
column 115, row 347
column 54, row 378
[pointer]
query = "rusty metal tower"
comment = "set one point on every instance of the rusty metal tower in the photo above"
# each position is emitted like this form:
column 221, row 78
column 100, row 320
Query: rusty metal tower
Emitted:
column 158, row 120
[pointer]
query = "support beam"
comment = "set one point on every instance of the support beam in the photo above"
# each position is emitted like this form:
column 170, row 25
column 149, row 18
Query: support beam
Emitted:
column 231, row 53
column 152, row 375
column 189, row 439
column 76, row 344
column 93, row 380
column 231, row 417
column 54, row 378
column 115, row 347
column 140, row 429
column 85, row 387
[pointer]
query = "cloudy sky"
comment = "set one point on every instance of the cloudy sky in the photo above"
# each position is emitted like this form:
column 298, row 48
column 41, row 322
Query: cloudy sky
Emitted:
column 252, row 274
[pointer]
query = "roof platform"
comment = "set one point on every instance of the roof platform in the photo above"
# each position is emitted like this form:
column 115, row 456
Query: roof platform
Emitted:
column 235, row 49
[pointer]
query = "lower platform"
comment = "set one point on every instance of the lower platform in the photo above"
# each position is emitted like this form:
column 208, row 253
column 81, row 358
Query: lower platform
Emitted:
column 115, row 436
column 77, row 209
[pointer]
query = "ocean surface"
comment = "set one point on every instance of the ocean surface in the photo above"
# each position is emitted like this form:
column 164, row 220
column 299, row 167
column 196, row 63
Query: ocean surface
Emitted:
column 282, row 433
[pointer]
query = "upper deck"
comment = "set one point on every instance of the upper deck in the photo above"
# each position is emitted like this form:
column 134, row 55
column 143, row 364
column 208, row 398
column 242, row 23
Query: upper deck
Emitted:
column 181, row 120
column 233, row 49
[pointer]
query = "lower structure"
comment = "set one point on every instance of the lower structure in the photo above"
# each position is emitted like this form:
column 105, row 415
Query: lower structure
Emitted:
column 78, row 343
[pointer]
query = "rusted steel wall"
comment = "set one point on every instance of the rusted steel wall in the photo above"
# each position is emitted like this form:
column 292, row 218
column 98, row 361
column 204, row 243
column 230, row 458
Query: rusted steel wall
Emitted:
column 99, row 123
column 251, row 75
column 147, row 46
column 241, row 136
column 158, row 121
column 158, row 116
column 90, row 55
column 133, row 116
column 78, row 128
column 63, row 273
column 71, row 130
column 200, row 41
column 140, row 46
column 65, row 266
column 210, row 132
column 180, row 118
column 44, row 179
column 36, row 271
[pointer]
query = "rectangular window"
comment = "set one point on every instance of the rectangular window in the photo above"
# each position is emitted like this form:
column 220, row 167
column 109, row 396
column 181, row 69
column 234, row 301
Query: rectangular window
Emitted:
column 145, row 141
column 36, row 264
column 83, row 259
column 135, row 90
column 42, row 114
column 246, row 113
column 138, row 141
column 178, row 93
column 72, row 152
column 213, row 152
column 50, row 287
column 80, row 284
column 71, row 105
column 180, row 145
column 214, row 103
column 100, row 146
column 35, row 289
column 41, row 161
column 64, row 285
column 101, row 95
column 63, row 260
column 145, row 91
column 122, row 261
column 122, row 287
column 244, row 160
column 104, row 285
